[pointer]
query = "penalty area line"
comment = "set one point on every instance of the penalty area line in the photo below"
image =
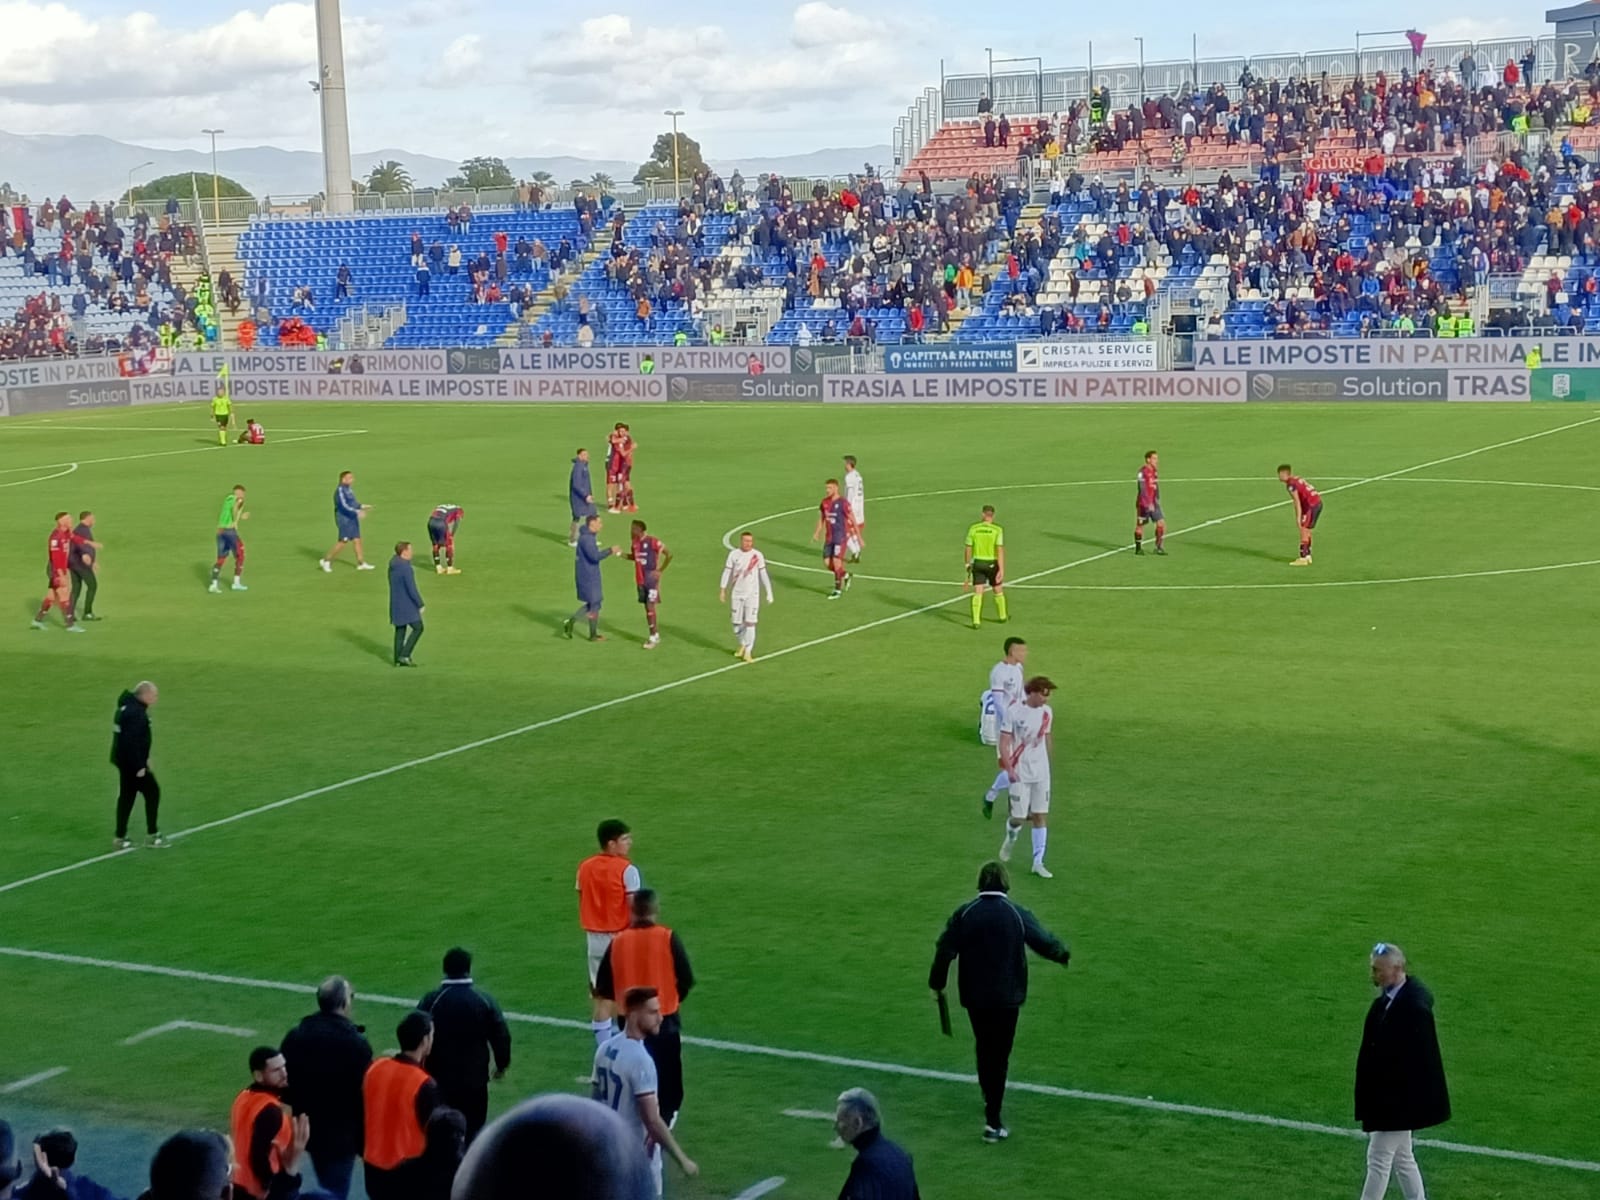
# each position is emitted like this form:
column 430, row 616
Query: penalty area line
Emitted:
column 1142, row 1103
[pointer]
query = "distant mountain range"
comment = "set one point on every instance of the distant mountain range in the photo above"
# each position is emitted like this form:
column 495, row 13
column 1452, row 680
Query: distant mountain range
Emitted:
column 89, row 167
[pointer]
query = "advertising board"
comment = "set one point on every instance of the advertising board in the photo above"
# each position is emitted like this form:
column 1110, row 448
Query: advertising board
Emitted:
column 1075, row 387
column 1580, row 384
column 67, row 397
column 1400, row 354
column 1126, row 354
column 950, row 358
column 790, row 388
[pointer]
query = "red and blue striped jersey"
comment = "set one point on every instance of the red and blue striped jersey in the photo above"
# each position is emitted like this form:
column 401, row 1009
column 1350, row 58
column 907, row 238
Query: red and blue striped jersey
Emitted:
column 647, row 552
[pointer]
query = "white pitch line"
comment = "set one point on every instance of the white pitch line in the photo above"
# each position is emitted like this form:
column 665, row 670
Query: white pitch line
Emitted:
column 27, row 1081
column 89, row 462
column 714, row 672
column 765, row 1187
column 808, row 1114
column 76, row 429
column 71, row 467
column 195, row 1026
column 831, row 1060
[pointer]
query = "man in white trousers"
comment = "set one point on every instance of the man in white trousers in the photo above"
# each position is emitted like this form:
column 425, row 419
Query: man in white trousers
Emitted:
column 1027, row 748
column 745, row 573
column 855, row 494
column 1400, row 1083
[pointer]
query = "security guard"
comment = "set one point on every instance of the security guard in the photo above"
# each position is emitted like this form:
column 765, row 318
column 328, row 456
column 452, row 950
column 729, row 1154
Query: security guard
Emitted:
column 1465, row 327
column 267, row 1140
column 398, row 1097
column 1141, row 327
column 648, row 954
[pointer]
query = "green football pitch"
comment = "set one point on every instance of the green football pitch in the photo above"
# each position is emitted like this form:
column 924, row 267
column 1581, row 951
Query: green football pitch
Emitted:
column 1260, row 772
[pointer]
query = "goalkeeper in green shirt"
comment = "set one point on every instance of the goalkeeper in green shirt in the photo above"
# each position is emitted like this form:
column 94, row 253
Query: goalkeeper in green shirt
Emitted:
column 229, row 541
column 986, row 565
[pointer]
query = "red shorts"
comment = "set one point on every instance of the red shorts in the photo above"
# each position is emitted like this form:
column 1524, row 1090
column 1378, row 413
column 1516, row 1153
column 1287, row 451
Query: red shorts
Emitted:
column 618, row 474
column 56, row 579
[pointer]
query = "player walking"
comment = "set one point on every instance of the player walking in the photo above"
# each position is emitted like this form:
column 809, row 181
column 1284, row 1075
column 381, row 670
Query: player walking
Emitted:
column 58, row 573
column 442, row 526
column 347, row 514
column 229, row 541
column 625, row 1079
column 619, row 470
column 985, row 552
column 1027, row 745
column 746, row 573
column 650, row 558
column 222, row 406
column 1148, row 505
column 1307, row 510
column 855, row 491
column 837, row 524
column 1005, row 693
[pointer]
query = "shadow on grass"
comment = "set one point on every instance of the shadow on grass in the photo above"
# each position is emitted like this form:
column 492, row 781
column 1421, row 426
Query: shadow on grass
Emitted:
column 1231, row 548
column 369, row 645
column 1522, row 743
column 1075, row 539
column 550, row 620
column 548, row 535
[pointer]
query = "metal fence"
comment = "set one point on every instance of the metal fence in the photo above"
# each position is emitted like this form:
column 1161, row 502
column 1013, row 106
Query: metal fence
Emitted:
column 1049, row 90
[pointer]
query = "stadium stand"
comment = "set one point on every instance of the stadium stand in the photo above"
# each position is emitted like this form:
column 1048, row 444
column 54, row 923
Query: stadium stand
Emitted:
column 75, row 281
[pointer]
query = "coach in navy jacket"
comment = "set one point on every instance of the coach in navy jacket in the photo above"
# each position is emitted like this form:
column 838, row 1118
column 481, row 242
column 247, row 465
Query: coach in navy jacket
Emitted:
column 405, row 604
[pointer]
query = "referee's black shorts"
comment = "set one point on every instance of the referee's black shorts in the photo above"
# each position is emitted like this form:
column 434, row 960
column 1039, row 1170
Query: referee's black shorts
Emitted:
column 985, row 572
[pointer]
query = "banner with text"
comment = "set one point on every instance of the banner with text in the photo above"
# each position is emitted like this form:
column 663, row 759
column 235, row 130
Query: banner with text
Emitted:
column 1581, row 384
column 1365, row 385
column 702, row 388
column 246, row 386
column 1076, row 387
column 950, row 358
column 1400, row 354
column 1126, row 354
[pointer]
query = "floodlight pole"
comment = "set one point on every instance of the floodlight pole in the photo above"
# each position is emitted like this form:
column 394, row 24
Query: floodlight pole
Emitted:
column 677, row 186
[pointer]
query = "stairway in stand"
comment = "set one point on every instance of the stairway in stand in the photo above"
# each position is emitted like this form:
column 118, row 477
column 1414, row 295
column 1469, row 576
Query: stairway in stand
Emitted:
column 545, row 299
column 222, row 246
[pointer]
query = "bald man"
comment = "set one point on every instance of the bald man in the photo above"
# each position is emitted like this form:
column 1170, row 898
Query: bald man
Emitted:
column 1400, row 1084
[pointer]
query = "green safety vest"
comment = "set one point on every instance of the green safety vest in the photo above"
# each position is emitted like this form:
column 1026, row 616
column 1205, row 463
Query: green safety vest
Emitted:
column 168, row 336
column 1405, row 324
column 717, row 337
column 1465, row 327
column 1445, row 326
column 1533, row 358
column 680, row 338
column 322, row 341
column 1141, row 327
column 647, row 367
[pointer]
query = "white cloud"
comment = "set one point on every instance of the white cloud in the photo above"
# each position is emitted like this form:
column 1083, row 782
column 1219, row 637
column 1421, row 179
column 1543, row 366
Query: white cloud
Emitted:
column 828, row 54
column 53, row 54
column 461, row 62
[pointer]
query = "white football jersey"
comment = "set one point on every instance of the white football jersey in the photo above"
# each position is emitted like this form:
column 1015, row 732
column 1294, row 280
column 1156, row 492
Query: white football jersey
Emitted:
column 742, row 573
column 624, row 1071
column 855, row 491
column 1006, row 679
column 1029, row 727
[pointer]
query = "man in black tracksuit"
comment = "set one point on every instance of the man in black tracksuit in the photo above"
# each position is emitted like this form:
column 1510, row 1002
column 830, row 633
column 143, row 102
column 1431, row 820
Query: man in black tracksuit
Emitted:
column 130, row 754
column 328, row 1056
column 84, row 564
column 991, row 937
column 467, row 1026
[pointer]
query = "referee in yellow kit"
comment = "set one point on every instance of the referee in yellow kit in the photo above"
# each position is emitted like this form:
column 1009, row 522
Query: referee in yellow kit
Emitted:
column 986, row 565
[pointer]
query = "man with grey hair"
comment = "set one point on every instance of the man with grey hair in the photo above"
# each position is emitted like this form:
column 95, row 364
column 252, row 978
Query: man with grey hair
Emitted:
column 881, row 1170
column 130, row 754
column 1400, row 1084
column 329, row 1055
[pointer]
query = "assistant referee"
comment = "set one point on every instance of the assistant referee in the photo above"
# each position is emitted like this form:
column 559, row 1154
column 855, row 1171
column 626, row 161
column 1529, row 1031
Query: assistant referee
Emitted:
column 991, row 936
column 985, row 551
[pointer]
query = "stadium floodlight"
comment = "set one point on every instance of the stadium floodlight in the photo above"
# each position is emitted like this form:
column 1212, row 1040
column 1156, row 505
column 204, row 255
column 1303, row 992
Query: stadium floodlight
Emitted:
column 129, row 193
column 216, row 198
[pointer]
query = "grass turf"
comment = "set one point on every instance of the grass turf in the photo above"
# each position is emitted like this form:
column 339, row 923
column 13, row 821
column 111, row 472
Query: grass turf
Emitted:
column 1253, row 783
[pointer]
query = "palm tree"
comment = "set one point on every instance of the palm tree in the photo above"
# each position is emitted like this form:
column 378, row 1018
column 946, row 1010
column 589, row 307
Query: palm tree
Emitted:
column 389, row 176
column 542, row 178
column 601, row 182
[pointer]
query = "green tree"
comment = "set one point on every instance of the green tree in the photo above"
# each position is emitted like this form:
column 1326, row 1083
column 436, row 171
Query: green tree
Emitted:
column 542, row 178
column 482, row 173
column 659, row 164
column 184, row 186
column 601, row 182
column 389, row 176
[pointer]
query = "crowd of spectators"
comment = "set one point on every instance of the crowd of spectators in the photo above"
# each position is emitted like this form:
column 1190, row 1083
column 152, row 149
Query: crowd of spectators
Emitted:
column 85, row 260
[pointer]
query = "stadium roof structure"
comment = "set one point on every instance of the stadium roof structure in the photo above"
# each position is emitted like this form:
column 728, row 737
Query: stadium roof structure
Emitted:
column 1587, row 11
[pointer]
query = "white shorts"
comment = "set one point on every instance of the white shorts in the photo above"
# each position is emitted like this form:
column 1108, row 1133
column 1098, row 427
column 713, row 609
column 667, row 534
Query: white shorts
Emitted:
column 599, row 943
column 1029, row 799
column 746, row 612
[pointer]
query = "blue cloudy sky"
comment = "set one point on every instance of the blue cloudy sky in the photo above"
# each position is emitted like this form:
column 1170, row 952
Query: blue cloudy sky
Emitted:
column 513, row 77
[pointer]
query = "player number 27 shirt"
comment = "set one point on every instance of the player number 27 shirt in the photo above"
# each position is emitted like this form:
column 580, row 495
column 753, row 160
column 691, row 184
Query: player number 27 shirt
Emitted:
column 1028, row 728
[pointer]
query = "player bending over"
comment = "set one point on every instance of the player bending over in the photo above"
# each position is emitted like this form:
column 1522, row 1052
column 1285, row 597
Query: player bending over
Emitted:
column 1307, row 510
column 229, row 541
column 58, row 573
column 650, row 558
column 1005, row 693
column 253, row 434
column 855, row 491
column 837, row 524
column 985, row 551
column 1148, row 506
column 1027, row 744
column 442, row 526
column 746, row 572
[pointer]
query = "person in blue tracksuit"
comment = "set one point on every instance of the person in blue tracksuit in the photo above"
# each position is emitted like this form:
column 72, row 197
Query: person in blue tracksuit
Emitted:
column 581, row 493
column 590, row 593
